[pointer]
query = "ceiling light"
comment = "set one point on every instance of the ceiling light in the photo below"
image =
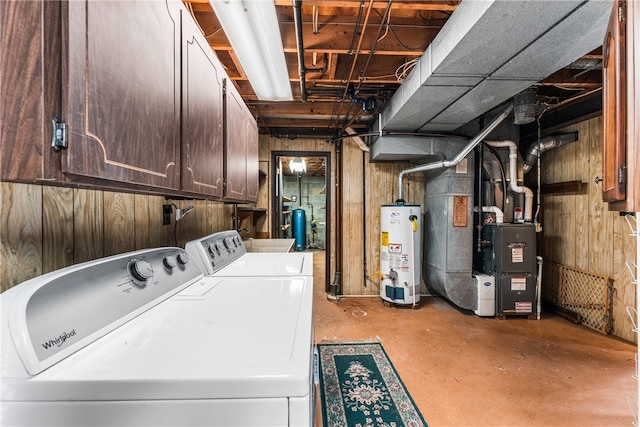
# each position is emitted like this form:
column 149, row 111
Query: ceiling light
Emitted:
column 297, row 165
column 253, row 31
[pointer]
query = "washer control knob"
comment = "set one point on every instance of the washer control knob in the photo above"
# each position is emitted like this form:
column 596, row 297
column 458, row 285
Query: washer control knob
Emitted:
column 183, row 258
column 212, row 250
column 140, row 271
column 170, row 261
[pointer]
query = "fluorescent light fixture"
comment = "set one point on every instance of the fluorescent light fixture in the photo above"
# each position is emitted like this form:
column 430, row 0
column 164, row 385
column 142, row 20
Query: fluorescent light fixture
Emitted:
column 297, row 165
column 253, row 30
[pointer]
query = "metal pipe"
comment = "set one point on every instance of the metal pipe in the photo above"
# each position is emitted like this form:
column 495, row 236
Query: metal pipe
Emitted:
column 465, row 151
column 480, row 197
column 539, row 288
column 547, row 143
column 302, row 69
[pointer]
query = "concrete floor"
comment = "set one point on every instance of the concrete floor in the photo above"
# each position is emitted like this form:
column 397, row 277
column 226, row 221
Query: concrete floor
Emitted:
column 463, row 370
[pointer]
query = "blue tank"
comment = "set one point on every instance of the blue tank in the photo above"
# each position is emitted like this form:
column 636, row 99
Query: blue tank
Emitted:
column 299, row 225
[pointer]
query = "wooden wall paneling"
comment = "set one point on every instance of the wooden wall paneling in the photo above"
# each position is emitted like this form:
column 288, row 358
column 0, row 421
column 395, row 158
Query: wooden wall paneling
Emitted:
column 159, row 235
column 582, row 156
column 601, row 228
column 212, row 213
column 119, row 226
column 188, row 226
column 374, row 199
column 352, row 220
column 142, row 221
column 550, row 206
column 380, row 176
column 565, row 158
column 57, row 228
column 624, row 294
column 88, row 225
column 20, row 233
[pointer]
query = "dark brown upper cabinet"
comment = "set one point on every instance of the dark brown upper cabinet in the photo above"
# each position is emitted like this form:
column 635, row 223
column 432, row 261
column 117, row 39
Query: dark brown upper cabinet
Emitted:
column 614, row 107
column 621, row 108
column 202, row 115
column 121, row 94
column 235, row 145
column 253, row 171
column 139, row 90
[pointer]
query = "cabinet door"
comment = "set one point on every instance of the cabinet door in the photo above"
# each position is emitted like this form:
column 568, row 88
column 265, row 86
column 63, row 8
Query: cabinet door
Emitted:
column 122, row 91
column 253, row 167
column 235, row 146
column 614, row 107
column 202, row 114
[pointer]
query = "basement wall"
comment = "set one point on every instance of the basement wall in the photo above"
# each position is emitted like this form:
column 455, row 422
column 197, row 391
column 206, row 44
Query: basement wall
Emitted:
column 578, row 229
column 45, row 228
column 365, row 185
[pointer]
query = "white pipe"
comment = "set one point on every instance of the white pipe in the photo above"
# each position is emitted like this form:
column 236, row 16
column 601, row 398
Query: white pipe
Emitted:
column 496, row 210
column 513, row 176
column 465, row 151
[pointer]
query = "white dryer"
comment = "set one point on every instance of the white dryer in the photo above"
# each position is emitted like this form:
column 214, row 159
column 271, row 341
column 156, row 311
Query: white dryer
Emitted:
column 224, row 254
column 144, row 339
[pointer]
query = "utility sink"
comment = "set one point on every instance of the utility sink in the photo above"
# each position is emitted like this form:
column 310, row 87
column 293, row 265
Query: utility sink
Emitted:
column 268, row 245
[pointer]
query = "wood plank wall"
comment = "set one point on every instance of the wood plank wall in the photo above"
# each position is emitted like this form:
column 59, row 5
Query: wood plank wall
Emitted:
column 578, row 229
column 366, row 186
column 44, row 228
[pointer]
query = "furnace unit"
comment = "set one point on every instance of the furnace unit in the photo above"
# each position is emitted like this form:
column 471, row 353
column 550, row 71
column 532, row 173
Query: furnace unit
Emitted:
column 509, row 254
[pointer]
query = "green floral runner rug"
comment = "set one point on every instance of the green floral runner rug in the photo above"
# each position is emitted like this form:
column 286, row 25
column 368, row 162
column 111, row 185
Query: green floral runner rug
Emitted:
column 360, row 387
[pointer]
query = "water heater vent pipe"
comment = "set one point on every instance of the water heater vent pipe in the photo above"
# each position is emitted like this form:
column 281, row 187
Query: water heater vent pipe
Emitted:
column 513, row 164
column 465, row 151
column 497, row 211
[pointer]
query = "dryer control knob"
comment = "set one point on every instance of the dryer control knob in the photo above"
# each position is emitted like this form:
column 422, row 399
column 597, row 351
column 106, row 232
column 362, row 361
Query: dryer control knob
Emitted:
column 183, row 258
column 140, row 270
column 170, row 261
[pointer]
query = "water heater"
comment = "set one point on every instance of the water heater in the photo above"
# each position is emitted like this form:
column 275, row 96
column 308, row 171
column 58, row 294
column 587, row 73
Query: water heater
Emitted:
column 400, row 229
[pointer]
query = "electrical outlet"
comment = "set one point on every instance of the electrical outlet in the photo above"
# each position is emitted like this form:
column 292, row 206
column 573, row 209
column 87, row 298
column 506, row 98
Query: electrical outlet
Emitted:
column 166, row 214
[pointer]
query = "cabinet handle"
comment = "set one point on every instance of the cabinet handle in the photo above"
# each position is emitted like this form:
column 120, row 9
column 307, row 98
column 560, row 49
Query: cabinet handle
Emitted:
column 598, row 180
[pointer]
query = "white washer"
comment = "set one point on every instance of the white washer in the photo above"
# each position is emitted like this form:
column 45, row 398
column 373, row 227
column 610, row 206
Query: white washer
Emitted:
column 144, row 339
column 224, row 254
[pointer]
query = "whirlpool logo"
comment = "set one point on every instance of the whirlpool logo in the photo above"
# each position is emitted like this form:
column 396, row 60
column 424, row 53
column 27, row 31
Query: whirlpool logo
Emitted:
column 57, row 342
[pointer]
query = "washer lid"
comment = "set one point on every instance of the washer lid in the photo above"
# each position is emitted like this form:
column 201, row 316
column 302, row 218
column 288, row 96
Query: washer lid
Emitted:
column 270, row 264
column 218, row 338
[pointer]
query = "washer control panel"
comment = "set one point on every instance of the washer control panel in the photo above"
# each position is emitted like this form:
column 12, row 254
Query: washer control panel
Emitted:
column 58, row 313
column 217, row 250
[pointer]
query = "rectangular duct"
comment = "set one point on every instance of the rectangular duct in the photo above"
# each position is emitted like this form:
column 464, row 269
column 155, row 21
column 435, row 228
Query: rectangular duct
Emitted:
column 487, row 52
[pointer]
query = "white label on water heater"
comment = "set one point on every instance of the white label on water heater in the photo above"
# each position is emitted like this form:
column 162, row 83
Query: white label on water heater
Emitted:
column 395, row 248
column 518, row 283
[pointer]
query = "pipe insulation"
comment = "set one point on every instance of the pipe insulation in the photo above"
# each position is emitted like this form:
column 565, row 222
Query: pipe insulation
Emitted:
column 513, row 172
column 547, row 143
column 463, row 153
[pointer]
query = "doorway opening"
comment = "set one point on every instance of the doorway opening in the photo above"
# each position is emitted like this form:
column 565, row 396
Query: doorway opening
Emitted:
column 301, row 200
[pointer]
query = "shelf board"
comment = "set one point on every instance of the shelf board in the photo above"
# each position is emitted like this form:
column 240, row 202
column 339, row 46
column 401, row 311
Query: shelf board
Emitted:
column 257, row 210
